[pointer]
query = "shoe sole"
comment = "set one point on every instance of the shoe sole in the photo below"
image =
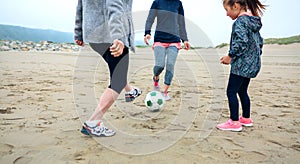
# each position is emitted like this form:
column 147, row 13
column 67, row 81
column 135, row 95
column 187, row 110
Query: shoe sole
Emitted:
column 129, row 99
column 247, row 125
column 230, row 129
column 85, row 132
column 167, row 98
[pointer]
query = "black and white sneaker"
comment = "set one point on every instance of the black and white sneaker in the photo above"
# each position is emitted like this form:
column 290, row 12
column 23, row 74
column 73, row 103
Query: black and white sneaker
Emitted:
column 98, row 130
column 134, row 93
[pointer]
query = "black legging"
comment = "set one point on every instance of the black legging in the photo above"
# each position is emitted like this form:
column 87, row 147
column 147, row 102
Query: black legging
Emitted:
column 118, row 66
column 238, row 85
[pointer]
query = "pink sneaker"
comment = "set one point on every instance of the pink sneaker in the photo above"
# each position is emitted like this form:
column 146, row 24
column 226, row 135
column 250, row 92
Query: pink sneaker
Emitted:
column 246, row 122
column 229, row 125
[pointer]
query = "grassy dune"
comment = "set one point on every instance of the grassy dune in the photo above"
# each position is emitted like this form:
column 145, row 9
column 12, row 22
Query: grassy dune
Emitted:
column 279, row 41
column 288, row 40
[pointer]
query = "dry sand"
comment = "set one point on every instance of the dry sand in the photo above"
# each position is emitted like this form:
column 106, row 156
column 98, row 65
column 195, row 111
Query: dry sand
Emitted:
column 46, row 96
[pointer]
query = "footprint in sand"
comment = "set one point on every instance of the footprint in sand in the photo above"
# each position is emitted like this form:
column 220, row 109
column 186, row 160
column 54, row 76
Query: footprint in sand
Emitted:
column 6, row 149
column 22, row 160
column 144, row 126
column 6, row 110
column 296, row 147
column 78, row 156
column 232, row 154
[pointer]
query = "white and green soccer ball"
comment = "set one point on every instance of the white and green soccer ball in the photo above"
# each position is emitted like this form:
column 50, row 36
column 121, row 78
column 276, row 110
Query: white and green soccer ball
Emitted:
column 154, row 101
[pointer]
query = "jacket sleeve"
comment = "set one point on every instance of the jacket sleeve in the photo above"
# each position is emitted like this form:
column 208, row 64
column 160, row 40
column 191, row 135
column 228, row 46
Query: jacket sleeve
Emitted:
column 116, row 20
column 151, row 17
column 78, row 22
column 181, row 21
column 239, row 39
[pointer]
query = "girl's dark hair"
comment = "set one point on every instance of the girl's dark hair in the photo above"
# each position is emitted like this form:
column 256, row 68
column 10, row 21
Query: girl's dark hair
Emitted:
column 254, row 6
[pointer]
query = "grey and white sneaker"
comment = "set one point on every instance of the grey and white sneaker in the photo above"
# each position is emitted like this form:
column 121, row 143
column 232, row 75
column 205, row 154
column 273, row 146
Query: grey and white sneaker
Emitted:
column 134, row 93
column 166, row 96
column 98, row 130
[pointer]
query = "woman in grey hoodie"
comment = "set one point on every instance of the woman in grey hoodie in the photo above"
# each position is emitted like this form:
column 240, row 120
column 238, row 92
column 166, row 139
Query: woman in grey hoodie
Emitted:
column 107, row 26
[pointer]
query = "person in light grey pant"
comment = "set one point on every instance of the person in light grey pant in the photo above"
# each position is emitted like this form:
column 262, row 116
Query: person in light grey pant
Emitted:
column 170, row 54
column 170, row 31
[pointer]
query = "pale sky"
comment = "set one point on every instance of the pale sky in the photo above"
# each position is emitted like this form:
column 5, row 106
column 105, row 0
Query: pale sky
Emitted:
column 281, row 19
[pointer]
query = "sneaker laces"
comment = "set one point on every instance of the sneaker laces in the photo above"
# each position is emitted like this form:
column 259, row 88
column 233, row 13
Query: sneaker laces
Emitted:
column 229, row 122
column 102, row 129
column 133, row 91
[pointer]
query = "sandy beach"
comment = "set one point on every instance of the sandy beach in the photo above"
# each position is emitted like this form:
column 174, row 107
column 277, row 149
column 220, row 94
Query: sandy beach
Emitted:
column 45, row 97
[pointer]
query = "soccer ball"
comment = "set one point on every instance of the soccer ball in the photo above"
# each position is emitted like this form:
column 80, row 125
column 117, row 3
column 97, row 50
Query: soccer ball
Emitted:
column 154, row 101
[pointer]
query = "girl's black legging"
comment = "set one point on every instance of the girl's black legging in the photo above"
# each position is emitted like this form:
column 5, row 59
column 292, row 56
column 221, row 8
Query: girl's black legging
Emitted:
column 118, row 66
column 238, row 85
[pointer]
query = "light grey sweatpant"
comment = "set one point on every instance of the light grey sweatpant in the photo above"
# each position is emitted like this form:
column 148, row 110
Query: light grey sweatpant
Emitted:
column 165, row 57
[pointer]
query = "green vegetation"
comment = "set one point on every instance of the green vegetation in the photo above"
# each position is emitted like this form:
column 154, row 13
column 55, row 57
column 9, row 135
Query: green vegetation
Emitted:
column 280, row 41
column 222, row 45
column 142, row 46
column 288, row 40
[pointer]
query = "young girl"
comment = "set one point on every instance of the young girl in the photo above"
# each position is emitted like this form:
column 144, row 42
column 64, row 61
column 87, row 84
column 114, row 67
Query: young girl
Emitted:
column 244, row 56
column 170, row 31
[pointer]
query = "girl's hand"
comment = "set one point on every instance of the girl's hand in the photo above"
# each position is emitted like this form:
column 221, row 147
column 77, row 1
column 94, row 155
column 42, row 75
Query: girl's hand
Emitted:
column 187, row 45
column 225, row 60
column 117, row 48
column 79, row 42
column 147, row 38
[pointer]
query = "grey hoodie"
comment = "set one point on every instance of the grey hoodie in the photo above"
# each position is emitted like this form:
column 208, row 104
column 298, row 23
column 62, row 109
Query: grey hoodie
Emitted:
column 102, row 21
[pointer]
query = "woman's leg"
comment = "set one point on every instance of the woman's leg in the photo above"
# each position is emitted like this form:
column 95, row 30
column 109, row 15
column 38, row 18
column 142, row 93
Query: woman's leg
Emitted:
column 106, row 100
column 118, row 68
column 172, row 53
column 160, row 57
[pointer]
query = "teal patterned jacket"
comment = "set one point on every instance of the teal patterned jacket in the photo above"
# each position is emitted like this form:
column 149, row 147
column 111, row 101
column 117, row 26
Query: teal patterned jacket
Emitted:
column 246, row 46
